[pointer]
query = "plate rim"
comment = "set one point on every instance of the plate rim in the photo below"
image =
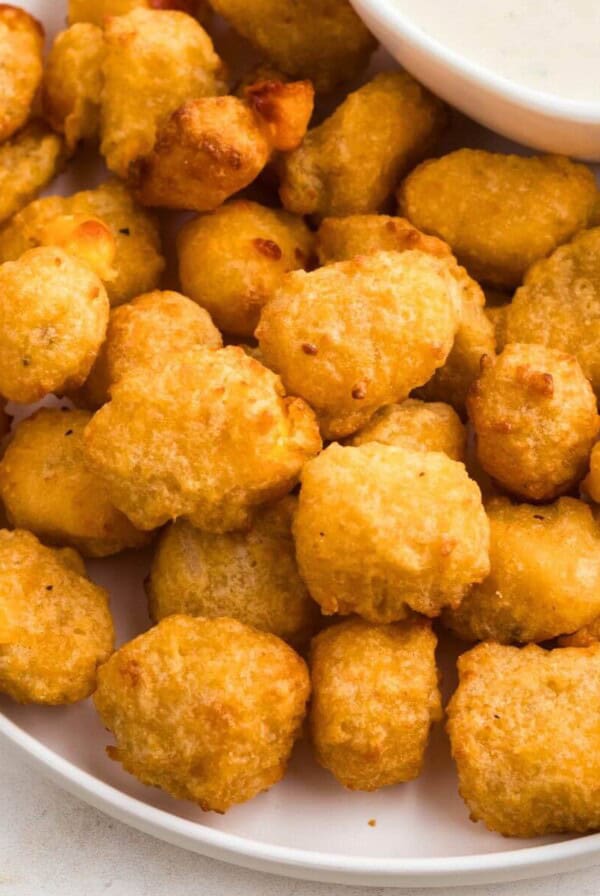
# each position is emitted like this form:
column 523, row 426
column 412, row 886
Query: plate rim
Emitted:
column 512, row 864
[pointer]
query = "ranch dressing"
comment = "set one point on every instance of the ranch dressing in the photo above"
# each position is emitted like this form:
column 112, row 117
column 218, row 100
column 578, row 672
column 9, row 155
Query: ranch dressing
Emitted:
column 552, row 46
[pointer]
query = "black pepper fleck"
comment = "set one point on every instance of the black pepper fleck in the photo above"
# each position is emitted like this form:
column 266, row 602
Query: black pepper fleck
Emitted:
column 49, row 587
column 69, row 432
column 125, row 231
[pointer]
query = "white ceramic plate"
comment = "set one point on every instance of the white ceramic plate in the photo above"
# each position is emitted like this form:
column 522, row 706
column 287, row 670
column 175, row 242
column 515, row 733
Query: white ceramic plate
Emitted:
column 307, row 826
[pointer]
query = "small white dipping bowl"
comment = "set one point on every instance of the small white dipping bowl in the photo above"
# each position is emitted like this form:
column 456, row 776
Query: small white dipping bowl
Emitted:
column 539, row 120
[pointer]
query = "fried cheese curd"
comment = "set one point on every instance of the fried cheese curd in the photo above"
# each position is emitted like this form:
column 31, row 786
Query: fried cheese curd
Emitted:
column 21, row 48
column 352, row 162
column 523, row 728
column 322, row 40
column 47, row 488
column 211, row 148
column 53, row 318
column 55, row 625
column 339, row 239
column 535, row 420
column 354, row 336
column 559, row 303
column 499, row 213
column 232, row 260
column 154, row 61
column 583, row 637
column 229, row 440
column 375, row 695
column 418, row 425
column 251, row 576
column 96, row 11
column 28, row 162
column 136, row 262
column 206, row 709
column 381, row 530
column 140, row 335
column 544, row 578
column 72, row 86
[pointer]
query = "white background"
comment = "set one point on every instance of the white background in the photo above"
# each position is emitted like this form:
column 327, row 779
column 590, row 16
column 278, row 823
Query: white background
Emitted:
column 54, row 845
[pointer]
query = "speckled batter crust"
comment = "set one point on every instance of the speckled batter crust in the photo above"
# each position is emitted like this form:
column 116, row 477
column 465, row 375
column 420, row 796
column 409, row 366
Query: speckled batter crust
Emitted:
column 206, row 709
column 535, row 420
column 382, row 530
column 55, row 625
column 22, row 45
column 523, row 727
column 375, row 695
column 28, row 162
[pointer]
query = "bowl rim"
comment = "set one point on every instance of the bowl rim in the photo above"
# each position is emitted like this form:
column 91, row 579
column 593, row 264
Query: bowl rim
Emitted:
column 528, row 861
column 547, row 104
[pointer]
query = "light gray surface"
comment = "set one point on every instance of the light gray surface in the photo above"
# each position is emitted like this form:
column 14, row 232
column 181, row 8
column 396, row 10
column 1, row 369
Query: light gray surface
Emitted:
column 53, row 845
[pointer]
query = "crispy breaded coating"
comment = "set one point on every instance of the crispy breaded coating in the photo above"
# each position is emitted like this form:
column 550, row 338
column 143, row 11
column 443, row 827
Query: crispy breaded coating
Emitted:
column 21, row 48
column 475, row 338
column 559, row 303
column 524, row 734
column 544, row 579
column 375, row 695
column 154, row 61
column 141, row 334
column 138, row 262
column 55, row 625
column 339, row 239
column 47, row 488
column 72, row 85
column 499, row 213
column 209, row 436
column 382, row 530
column 84, row 237
column 250, row 576
column 231, row 261
column 356, row 335
column 343, row 238
column 323, row 40
column 53, row 317
column 351, row 163
column 96, row 11
column 28, row 162
column 498, row 317
column 212, row 148
column 206, row 709
column 418, row 425
column 535, row 420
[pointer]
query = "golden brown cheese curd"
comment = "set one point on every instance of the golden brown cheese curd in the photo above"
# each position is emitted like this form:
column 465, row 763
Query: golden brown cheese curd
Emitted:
column 323, row 40
column 229, row 440
column 154, row 61
column 356, row 335
column 211, row 148
column 524, row 734
column 141, row 334
column 544, row 578
column 351, row 163
column 250, row 576
column 583, row 637
column 339, row 239
column 535, row 420
column 28, row 162
column 206, row 709
column 499, row 213
column 96, row 11
column 418, row 425
column 137, row 263
column 21, row 48
column 72, row 86
column 375, row 695
column 55, row 625
column 382, row 530
column 559, row 303
column 88, row 239
column 53, row 317
column 232, row 260
column 47, row 487
column 342, row 238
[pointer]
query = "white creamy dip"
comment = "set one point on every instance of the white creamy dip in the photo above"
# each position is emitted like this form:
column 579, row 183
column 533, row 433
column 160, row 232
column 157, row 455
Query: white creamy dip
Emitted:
column 551, row 46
